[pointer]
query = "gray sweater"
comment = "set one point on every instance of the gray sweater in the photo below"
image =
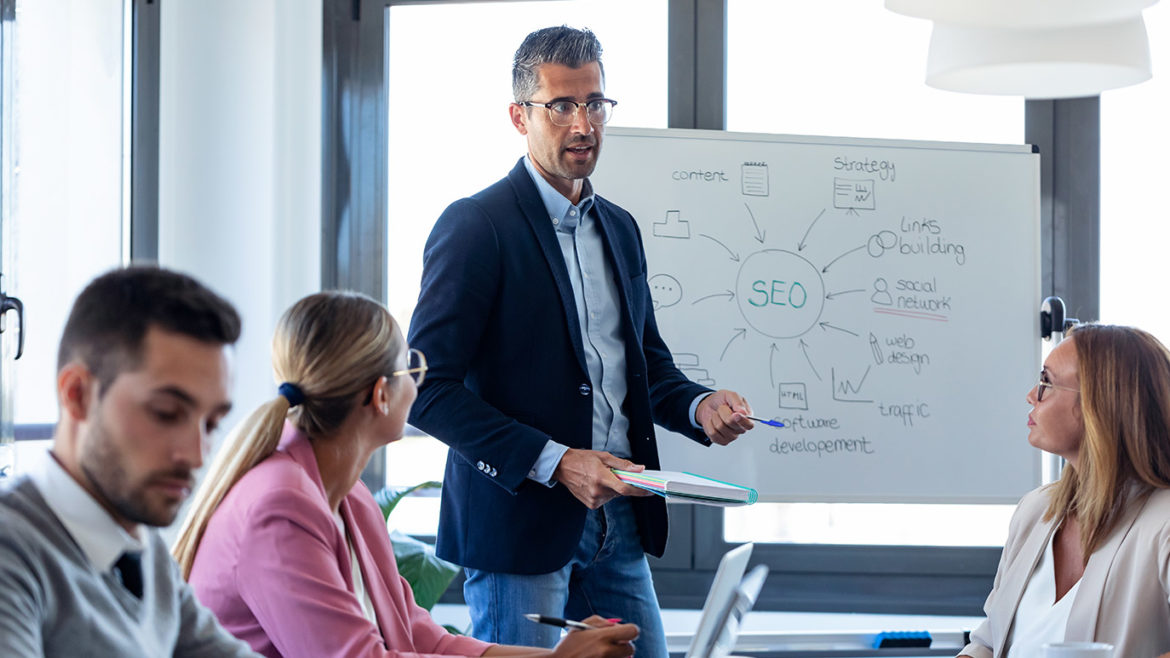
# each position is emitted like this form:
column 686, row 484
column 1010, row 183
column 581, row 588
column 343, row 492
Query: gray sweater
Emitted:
column 53, row 602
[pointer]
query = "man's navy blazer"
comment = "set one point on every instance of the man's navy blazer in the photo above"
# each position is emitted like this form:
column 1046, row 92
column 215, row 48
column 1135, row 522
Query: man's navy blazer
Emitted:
column 497, row 321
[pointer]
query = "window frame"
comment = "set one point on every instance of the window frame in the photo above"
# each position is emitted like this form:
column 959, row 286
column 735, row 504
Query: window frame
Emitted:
column 827, row 578
column 143, row 157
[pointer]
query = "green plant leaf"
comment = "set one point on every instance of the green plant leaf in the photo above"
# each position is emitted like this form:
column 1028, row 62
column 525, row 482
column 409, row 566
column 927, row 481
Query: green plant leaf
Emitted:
column 428, row 574
column 388, row 497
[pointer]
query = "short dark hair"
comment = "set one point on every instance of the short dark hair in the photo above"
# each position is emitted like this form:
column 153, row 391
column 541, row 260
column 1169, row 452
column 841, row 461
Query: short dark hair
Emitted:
column 110, row 318
column 562, row 45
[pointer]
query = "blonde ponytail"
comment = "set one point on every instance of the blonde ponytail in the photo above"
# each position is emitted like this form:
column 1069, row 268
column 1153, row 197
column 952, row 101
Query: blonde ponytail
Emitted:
column 249, row 444
column 332, row 347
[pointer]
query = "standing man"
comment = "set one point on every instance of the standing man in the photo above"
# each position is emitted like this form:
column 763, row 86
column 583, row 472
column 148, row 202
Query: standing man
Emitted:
column 548, row 371
column 143, row 374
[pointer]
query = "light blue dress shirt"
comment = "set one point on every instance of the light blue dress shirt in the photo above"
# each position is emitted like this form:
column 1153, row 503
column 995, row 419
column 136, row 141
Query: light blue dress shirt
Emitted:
column 597, row 300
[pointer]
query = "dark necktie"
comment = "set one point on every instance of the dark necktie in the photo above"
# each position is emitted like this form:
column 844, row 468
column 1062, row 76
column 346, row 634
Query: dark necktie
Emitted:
column 129, row 570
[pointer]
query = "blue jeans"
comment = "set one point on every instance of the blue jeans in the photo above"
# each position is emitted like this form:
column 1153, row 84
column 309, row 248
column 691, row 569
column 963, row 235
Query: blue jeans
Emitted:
column 607, row 576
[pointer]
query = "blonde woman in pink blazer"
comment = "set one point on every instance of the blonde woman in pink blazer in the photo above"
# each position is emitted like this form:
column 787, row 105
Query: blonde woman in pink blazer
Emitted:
column 1088, row 557
column 286, row 545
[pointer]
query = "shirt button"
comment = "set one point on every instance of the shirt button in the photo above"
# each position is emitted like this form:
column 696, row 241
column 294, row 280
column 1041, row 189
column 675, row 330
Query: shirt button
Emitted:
column 584, row 389
column 556, row 221
column 572, row 213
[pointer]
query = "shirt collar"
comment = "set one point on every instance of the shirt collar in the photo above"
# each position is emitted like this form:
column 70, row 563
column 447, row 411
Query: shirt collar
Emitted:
column 555, row 203
column 101, row 539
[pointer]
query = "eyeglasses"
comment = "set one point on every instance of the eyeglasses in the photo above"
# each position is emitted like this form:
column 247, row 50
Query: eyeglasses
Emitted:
column 563, row 113
column 1044, row 384
column 416, row 367
column 416, row 363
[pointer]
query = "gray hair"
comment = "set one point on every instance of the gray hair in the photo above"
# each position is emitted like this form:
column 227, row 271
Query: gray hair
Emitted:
column 562, row 45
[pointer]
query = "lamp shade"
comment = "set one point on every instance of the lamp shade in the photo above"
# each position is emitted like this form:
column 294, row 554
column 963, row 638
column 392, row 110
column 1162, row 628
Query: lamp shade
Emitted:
column 1066, row 62
column 1021, row 14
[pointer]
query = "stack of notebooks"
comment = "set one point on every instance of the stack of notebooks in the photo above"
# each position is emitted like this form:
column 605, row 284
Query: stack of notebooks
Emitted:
column 688, row 487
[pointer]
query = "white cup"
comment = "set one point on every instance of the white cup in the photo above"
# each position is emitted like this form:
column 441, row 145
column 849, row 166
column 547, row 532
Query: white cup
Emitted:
column 1078, row 650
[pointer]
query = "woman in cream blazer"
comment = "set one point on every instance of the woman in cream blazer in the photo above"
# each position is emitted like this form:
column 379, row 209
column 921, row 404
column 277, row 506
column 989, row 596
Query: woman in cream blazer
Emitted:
column 1100, row 534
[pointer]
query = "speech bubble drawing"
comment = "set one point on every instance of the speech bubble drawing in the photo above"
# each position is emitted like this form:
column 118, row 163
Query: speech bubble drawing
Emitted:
column 665, row 291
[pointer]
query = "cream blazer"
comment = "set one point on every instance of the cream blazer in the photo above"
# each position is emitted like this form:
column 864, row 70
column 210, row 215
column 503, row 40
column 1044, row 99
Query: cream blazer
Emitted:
column 1124, row 596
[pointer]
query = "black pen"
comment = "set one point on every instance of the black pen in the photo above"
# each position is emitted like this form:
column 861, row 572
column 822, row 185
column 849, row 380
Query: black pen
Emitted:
column 558, row 622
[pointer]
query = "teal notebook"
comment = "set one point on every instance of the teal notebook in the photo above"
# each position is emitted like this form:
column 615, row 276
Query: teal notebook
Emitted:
column 694, row 488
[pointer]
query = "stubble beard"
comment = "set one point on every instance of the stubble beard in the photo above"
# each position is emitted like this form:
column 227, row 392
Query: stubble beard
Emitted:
column 102, row 465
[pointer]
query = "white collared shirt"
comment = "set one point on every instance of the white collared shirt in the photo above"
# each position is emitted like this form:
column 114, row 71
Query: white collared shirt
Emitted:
column 101, row 539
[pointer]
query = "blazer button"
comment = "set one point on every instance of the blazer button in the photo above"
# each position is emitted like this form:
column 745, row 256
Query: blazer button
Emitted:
column 479, row 465
column 584, row 389
column 493, row 472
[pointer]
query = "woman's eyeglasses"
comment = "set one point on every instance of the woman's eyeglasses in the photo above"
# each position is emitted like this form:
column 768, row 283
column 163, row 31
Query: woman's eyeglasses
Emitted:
column 1044, row 384
column 416, row 367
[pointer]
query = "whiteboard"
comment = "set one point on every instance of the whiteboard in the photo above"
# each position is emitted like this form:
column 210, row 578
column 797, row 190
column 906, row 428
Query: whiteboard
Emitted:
column 881, row 298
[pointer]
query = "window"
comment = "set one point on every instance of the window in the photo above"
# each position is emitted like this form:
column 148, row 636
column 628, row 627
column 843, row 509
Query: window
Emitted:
column 1134, row 232
column 64, row 213
column 848, row 68
column 852, row 68
column 448, row 124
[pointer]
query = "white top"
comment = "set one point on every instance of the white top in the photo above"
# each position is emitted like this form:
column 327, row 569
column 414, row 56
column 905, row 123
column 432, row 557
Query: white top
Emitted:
column 359, row 583
column 97, row 534
column 1038, row 620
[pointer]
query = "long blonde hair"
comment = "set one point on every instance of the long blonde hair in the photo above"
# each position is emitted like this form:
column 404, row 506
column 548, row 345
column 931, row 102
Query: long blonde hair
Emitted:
column 332, row 346
column 1124, row 378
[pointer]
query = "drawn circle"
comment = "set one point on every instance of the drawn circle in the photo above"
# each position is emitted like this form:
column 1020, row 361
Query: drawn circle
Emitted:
column 879, row 242
column 780, row 294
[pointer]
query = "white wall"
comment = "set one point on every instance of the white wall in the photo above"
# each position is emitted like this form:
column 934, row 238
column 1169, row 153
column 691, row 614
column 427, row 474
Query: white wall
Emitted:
column 240, row 162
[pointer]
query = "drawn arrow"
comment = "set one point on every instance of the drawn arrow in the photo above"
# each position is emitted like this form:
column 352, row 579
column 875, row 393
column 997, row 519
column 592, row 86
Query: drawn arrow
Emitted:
column 825, row 326
column 759, row 233
column 826, row 268
column 800, row 247
column 804, row 348
column 728, row 294
column 771, row 357
column 734, row 256
column 739, row 333
column 843, row 292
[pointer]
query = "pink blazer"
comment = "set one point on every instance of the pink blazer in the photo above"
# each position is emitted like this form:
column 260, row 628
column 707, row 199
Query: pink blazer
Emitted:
column 276, row 570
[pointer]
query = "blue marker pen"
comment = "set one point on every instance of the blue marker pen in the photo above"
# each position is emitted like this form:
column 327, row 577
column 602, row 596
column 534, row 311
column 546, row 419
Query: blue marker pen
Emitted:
column 773, row 423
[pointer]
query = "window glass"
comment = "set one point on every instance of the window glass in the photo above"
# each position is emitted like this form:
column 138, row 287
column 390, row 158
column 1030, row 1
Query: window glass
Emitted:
column 450, row 82
column 848, row 68
column 1134, row 230
column 851, row 68
column 67, row 179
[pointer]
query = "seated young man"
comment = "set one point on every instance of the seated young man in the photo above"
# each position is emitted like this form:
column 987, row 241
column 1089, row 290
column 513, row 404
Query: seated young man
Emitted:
column 143, row 374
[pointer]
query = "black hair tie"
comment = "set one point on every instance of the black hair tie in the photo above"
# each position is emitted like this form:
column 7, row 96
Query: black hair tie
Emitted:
column 292, row 393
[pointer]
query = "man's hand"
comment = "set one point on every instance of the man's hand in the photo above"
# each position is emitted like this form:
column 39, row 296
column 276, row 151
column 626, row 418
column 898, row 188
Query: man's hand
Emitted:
column 723, row 415
column 586, row 473
column 604, row 640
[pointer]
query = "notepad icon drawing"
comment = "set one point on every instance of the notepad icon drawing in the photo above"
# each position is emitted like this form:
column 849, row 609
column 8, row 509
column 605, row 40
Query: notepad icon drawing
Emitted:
column 754, row 178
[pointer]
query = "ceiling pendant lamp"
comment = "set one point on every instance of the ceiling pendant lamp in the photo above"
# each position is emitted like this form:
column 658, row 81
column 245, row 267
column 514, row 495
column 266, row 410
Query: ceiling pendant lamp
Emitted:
column 1056, row 62
column 1027, row 14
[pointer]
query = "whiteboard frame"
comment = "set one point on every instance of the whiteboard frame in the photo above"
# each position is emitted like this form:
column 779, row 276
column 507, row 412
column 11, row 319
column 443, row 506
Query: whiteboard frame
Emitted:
column 1036, row 456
